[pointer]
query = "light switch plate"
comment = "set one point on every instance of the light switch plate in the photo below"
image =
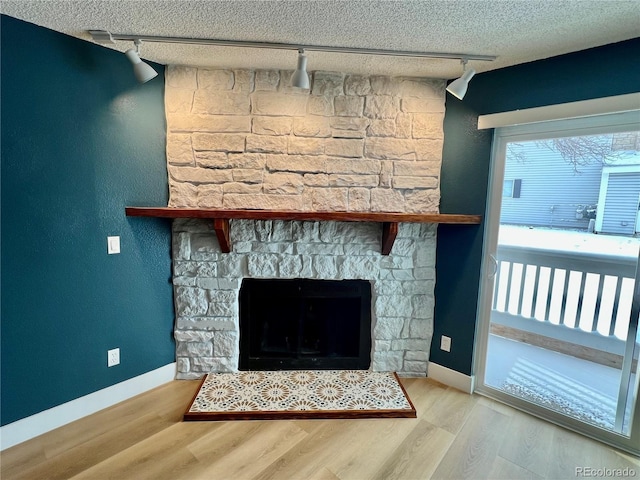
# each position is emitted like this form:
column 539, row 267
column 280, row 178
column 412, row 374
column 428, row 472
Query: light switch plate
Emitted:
column 113, row 245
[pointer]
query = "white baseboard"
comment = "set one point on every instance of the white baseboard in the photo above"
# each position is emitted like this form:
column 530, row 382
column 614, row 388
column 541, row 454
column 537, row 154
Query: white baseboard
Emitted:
column 30, row 427
column 451, row 377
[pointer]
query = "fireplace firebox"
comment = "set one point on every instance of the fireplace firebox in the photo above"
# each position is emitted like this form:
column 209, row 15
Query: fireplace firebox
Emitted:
column 305, row 324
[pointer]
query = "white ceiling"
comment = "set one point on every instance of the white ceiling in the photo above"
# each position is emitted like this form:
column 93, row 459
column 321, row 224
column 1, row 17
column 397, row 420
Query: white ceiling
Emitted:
column 517, row 31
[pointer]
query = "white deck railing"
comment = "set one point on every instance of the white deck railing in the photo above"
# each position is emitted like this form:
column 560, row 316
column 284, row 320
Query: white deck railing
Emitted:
column 542, row 290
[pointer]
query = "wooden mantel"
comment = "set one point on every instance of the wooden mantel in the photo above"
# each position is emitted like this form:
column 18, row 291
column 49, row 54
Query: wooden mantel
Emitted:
column 221, row 219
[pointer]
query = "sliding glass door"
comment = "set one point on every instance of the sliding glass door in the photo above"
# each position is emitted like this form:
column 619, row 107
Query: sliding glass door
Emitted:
column 560, row 299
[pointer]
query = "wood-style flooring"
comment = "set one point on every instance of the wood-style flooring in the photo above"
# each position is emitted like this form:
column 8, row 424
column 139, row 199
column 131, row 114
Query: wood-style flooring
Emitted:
column 456, row 436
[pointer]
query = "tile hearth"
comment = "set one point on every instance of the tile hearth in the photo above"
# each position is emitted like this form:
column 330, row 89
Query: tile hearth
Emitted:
column 292, row 394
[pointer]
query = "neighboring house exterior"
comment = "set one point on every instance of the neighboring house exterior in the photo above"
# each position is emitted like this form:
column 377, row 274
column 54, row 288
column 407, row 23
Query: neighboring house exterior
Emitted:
column 543, row 189
column 619, row 200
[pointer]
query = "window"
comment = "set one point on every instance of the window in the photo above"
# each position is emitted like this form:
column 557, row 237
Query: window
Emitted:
column 512, row 188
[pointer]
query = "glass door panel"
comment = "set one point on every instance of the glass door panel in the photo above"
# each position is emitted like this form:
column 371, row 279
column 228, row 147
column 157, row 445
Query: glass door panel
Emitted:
column 562, row 296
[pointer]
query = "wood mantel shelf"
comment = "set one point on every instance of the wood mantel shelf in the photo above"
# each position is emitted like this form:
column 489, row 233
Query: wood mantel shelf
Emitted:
column 221, row 219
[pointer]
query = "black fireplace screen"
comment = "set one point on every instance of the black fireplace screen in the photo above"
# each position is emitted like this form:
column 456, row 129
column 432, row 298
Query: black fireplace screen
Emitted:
column 305, row 324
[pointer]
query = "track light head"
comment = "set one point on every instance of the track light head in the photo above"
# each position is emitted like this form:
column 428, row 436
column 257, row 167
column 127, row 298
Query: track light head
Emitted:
column 143, row 71
column 300, row 78
column 458, row 88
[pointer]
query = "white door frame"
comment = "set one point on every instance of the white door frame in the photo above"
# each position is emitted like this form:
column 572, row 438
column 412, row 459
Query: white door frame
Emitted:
column 638, row 216
column 583, row 126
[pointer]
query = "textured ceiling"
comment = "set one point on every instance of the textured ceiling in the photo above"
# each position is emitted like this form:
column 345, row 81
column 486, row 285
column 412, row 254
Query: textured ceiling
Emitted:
column 517, row 31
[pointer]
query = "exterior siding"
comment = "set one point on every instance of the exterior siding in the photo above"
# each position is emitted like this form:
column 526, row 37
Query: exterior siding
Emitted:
column 621, row 203
column 551, row 191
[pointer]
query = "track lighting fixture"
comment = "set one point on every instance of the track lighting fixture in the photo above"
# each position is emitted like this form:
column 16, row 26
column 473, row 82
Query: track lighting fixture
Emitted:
column 143, row 71
column 300, row 77
column 458, row 88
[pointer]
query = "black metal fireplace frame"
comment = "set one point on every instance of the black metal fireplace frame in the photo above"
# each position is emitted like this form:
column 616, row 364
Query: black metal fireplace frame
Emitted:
column 299, row 291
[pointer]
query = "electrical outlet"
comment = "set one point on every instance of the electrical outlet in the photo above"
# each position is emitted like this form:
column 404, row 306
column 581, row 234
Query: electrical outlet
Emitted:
column 445, row 343
column 113, row 357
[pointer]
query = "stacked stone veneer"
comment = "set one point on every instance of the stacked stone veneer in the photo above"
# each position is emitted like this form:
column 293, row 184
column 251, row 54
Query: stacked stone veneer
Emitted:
column 247, row 140
column 207, row 285
column 244, row 139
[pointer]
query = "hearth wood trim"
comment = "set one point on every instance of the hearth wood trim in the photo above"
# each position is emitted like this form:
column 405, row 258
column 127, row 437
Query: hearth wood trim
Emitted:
column 221, row 219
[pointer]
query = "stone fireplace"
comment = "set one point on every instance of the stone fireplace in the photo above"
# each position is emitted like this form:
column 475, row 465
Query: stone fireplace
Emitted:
column 246, row 140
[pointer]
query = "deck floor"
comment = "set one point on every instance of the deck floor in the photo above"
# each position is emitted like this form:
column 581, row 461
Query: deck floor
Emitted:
column 578, row 387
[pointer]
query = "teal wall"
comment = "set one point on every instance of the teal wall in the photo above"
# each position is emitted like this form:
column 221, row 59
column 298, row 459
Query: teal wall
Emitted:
column 599, row 72
column 80, row 140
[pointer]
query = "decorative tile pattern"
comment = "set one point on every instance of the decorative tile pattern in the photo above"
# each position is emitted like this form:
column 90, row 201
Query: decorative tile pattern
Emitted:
column 301, row 391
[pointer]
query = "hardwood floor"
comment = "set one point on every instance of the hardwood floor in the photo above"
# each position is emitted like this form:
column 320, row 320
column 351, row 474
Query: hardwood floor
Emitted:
column 456, row 436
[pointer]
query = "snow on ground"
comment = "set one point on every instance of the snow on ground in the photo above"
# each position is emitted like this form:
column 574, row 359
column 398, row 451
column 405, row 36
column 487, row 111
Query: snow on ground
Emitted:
column 572, row 240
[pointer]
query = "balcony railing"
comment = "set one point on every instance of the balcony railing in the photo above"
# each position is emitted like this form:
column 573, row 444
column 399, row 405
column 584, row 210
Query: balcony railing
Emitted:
column 575, row 302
